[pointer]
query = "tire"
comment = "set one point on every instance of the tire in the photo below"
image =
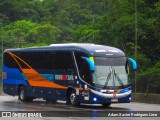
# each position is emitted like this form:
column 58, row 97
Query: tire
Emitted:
column 106, row 105
column 23, row 96
column 72, row 99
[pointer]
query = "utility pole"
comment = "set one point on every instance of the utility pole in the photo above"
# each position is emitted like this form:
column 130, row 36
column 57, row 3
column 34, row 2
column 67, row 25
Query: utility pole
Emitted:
column 1, row 51
column 2, row 41
column 136, row 36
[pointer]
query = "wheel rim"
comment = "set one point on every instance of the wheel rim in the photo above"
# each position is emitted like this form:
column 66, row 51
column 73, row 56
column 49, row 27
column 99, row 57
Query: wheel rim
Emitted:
column 21, row 94
column 72, row 98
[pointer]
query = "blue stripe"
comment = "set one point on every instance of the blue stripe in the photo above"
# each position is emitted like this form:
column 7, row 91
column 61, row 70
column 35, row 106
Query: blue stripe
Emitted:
column 15, row 81
column 13, row 70
column 48, row 76
column 15, row 76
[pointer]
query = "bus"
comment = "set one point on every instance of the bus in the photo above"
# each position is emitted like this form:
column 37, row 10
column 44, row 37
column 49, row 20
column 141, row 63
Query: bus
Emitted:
column 75, row 73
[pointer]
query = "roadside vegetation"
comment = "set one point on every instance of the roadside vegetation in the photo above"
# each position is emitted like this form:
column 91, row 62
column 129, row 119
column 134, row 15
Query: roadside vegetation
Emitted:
column 28, row 23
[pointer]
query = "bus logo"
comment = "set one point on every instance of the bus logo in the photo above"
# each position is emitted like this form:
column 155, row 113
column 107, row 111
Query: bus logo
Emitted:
column 64, row 77
column 114, row 95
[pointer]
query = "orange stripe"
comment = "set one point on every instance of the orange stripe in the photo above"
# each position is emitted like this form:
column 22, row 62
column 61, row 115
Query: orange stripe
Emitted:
column 46, row 84
column 29, row 71
column 117, row 92
column 15, row 56
column 34, row 78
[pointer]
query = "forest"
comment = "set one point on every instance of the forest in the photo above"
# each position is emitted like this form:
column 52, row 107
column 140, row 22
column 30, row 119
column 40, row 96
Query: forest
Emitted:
column 126, row 24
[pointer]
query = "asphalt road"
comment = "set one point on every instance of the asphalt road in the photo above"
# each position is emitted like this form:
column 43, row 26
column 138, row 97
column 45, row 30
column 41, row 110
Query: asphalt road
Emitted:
column 61, row 111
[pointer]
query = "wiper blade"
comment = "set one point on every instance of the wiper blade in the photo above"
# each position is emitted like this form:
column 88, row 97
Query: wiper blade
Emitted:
column 119, row 80
column 115, row 77
column 107, row 80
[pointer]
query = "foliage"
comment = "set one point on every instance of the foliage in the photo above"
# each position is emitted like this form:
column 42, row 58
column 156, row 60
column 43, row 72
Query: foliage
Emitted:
column 41, row 33
column 26, row 23
column 150, row 79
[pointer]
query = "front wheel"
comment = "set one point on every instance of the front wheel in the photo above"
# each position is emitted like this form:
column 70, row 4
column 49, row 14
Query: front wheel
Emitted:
column 72, row 99
column 23, row 96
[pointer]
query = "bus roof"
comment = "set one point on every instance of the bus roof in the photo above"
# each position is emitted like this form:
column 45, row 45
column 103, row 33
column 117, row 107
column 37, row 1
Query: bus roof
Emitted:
column 88, row 48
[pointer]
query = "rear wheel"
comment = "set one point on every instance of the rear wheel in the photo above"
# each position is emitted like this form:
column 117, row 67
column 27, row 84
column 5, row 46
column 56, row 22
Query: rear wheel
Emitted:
column 23, row 96
column 72, row 99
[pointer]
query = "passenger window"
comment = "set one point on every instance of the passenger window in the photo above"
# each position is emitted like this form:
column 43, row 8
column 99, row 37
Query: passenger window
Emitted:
column 64, row 61
column 57, row 61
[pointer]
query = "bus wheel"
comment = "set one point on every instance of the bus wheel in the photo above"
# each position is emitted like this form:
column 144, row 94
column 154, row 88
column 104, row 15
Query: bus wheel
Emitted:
column 72, row 99
column 22, row 95
column 106, row 105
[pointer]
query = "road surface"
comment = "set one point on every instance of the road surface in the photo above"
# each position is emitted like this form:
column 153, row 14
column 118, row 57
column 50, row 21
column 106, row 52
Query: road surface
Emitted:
column 61, row 111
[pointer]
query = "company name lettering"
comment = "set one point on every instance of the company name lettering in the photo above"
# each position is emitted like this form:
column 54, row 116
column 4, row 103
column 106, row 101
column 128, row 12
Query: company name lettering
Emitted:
column 64, row 77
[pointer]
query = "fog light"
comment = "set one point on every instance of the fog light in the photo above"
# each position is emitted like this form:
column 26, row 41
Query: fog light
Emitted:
column 94, row 99
column 130, row 98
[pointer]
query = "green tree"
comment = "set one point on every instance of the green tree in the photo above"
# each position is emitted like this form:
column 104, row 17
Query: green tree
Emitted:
column 150, row 79
column 28, row 33
column 109, row 22
column 46, row 33
column 17, row 33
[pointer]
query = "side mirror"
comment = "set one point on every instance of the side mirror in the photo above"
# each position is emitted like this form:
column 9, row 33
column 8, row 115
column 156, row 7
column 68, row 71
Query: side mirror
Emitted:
column 91, row 63
column 134, row 63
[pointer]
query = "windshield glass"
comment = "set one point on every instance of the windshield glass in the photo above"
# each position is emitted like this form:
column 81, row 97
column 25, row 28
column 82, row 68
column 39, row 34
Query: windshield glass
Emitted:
column 110, row 72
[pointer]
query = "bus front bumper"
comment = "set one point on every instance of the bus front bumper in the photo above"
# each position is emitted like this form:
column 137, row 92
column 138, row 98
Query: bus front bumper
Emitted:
column 97, row 97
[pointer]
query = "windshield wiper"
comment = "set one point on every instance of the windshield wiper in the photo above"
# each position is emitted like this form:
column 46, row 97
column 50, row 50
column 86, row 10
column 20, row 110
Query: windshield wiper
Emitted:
column 115, row 75
column 119, row 80
column 107, row 80
column 108, row 77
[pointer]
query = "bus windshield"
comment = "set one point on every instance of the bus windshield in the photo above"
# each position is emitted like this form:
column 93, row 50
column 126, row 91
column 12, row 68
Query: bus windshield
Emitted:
column 110, row 72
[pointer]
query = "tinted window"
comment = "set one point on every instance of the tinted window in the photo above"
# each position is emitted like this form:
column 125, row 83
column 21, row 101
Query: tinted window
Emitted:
column 42, row 60
column 9, row 61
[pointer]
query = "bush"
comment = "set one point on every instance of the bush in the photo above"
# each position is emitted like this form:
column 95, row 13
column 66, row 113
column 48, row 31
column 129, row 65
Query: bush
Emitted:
column 149, row 80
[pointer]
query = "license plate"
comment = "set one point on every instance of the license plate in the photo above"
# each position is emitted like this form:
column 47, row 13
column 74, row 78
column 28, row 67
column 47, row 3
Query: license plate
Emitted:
column 114, row 100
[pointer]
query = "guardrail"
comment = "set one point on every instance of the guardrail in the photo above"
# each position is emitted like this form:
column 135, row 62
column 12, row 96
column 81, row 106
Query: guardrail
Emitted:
column 146, row 98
